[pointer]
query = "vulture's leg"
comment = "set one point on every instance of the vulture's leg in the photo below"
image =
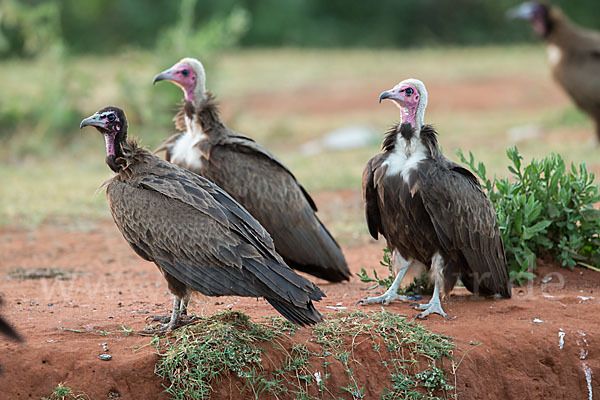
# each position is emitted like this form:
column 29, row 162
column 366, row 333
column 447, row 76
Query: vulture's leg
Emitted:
column 176, row 312
column 184, row 318
column 162, row 319
column 401, row 265
column 183, row 306
column 166, row 319
column 434, row 305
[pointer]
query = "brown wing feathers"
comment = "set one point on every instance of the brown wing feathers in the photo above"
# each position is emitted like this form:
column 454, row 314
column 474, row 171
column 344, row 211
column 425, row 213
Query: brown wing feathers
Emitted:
column 465, row 221
column 269, row 191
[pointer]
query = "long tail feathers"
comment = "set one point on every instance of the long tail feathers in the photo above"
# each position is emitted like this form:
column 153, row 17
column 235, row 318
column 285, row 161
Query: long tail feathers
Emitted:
column 299, row 316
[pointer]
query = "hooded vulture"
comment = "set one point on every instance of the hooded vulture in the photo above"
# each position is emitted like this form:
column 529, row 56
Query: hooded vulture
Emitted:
column 199, row 237
column 573, row 53
column 251, row 175
column 430, row 210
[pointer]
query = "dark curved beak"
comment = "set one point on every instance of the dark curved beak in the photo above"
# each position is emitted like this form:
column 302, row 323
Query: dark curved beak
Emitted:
column 384, row 95
column 525, row 11
column 164, row 76
column 94, row 120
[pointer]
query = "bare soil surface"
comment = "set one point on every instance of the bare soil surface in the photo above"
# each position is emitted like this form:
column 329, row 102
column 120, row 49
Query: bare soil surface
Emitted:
column 480, row 95
column 97, row 288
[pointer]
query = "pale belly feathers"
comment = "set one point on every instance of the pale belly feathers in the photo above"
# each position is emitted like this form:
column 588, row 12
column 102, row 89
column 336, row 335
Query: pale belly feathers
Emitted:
column 554, row 54
column 405, row 158
column 185, row 152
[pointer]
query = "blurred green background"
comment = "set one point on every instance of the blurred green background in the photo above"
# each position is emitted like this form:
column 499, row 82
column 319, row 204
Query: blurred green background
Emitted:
column 285, row 71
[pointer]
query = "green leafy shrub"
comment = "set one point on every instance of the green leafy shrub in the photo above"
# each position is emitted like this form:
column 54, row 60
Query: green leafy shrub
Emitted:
column 544, row 209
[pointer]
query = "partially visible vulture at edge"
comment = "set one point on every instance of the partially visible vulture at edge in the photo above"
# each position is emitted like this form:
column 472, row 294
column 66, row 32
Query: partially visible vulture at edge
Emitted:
column 251, row 175
column 430, row 210
column 199, row 237
column 8, row 330
column 573, row 53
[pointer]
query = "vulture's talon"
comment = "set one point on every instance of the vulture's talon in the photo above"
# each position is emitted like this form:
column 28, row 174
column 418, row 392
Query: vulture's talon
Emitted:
column 162, row 329
column 418, row 316
column 159, row 318
column 385, row 299
column 429, row 308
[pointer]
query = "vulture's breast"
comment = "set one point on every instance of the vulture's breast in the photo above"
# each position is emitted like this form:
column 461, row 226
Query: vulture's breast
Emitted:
column 405, row 219
column 186, row 153
column 405, row 158
column 555, row 55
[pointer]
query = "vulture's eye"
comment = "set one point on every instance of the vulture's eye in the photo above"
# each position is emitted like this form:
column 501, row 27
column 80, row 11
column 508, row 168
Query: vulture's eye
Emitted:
column 185, row 72
column 408, row 91
column 111, row 117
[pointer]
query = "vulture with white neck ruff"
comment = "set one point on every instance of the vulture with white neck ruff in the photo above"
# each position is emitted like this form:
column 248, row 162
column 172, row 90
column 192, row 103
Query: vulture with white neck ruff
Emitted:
column 430, row 210
column 199, row 237
column 573, row 53
column 251, row 175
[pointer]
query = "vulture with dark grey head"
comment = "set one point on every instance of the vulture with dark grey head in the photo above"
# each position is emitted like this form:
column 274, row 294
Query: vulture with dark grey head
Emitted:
column 251, row 175
column 430, row 210
column 573, row 53
column 199, row 237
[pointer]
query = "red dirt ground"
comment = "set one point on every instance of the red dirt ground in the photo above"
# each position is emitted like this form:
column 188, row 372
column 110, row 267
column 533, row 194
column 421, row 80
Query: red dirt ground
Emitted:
column 502, row 352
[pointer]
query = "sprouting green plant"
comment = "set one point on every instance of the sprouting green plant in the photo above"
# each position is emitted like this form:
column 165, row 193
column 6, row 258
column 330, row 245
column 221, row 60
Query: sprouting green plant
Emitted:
column 126, row 331
column 62, row 392
column 543, row 208
column 383, row 282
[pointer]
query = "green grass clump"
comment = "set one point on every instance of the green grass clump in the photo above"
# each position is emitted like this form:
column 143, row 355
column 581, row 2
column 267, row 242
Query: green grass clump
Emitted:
column 62, row 392
column 268, row 359
column 544, row 209
column 201, row 353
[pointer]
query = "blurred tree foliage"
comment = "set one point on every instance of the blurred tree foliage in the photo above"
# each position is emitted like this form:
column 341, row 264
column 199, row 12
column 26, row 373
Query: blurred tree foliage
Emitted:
column 51, row 111
column 108, row 25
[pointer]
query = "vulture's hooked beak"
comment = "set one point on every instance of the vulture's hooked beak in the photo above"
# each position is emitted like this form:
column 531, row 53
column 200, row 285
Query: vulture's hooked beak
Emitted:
column 95, row 120
column 524, row 11
column 164, row 76
column 385, row 95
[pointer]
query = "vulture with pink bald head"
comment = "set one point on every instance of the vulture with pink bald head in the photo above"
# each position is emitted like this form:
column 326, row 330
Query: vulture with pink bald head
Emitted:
column 430, row 210
column 251, row 175
column 573, row 53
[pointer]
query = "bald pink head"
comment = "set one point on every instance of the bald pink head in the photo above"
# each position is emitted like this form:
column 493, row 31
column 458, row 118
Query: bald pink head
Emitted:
column 183, row 76
column 410, row 96
column 189, row 75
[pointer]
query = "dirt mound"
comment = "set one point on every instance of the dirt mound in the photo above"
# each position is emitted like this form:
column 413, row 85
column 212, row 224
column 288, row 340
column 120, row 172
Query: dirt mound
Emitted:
column 536, row 345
